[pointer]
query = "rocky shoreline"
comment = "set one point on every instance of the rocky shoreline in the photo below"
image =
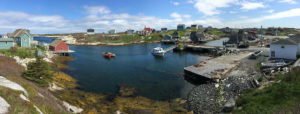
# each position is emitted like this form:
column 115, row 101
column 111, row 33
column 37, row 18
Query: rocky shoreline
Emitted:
column 220, row 97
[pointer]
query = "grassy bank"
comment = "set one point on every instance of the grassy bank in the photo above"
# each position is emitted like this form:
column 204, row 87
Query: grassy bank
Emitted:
column 21, row 52
column 12, row 71
column 121, row 38
column 280, row 97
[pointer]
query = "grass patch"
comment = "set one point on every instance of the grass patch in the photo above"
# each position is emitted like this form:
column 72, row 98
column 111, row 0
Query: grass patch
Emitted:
column 279, row 97
column 258, row 65
column 21, row 52
column 18, row 105
column 216, row 32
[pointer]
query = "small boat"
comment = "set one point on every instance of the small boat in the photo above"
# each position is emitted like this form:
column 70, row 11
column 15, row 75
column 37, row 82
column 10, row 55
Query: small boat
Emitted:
column 158, row 51
column 108, row 55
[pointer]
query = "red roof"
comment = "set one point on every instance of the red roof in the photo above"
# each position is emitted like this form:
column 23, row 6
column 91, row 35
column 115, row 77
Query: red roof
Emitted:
column 148, row 29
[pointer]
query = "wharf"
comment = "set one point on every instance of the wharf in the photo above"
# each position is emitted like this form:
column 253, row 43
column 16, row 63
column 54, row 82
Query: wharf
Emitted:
column 214, row 68
column 200, row 47
column 169, row 41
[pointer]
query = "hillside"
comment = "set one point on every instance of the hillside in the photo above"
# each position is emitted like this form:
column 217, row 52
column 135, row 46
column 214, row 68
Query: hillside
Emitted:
column 283, row 96
column 33, row 98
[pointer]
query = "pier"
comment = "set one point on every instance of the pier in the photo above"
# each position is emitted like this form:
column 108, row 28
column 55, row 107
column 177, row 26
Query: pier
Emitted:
column 200, row 47
column 170, row 48
column 214, row 68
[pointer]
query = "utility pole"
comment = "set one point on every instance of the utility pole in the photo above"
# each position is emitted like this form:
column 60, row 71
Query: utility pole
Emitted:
column 261, row 37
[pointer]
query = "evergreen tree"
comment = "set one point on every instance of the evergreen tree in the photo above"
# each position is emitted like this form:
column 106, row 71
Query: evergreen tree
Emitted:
column 39, row 72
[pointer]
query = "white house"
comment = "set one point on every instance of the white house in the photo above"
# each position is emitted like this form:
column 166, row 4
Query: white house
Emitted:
column 112, row 31
column 286, row 49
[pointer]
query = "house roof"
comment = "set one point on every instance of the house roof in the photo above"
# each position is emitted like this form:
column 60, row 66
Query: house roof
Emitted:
column 55, row 43
column 6, row 40
column 288, row 41
column 18, row 33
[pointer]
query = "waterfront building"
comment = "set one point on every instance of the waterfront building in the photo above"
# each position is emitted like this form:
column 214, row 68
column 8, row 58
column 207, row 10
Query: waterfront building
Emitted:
column 129, row 31
column 226, row 30
column 6, row 43
column 21, row 37
column 90, row 31
column 194, row 26
column 112, row 31
column 209, row 28
column 286, row 49
column 148, row 29
column 200, row 27
column 196, row 37
column 181, row 27
column 59, row 47
column 164, row 29
column 167, row 37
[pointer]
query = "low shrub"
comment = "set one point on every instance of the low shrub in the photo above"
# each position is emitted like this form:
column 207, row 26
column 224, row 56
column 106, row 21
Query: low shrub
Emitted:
column 39, row 72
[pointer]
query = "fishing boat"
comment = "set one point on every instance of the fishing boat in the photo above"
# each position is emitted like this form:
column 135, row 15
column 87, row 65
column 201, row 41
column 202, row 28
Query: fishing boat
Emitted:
column 108, row 55
column 158, row 51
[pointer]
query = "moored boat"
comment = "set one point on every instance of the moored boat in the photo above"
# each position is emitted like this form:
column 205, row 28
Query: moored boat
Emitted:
column 158, row 51
column 108, row 55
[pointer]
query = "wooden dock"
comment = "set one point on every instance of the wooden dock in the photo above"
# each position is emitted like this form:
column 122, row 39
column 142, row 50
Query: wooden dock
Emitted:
column 215, row 68
column 169, row 49
column 200, row 48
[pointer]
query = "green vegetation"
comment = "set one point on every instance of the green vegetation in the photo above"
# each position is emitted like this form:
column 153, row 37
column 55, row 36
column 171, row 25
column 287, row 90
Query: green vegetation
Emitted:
column 216, row 32
column 123, row 39
column 18, row 105
column 281, row 97
column 60, row 62
column 21, row 52
column 258, row 65
column 285, row 32
column 39, row 72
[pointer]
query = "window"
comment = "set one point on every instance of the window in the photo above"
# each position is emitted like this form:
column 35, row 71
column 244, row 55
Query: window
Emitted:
column 6, row 42
column 282, row 46
column 61, row 48
column 272, row 53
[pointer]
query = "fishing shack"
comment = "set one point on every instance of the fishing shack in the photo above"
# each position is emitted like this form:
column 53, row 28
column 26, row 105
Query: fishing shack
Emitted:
column 60, row 48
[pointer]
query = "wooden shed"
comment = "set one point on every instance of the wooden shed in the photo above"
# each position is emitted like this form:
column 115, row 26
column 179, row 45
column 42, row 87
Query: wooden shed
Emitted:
column 59, row 47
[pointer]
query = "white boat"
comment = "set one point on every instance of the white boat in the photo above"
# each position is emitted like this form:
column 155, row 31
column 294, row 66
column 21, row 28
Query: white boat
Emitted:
column 158, row 51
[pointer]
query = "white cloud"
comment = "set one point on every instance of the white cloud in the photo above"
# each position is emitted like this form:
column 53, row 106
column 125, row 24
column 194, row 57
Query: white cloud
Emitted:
column 251, row 5
column 270, row 11
column 285, row 14
column 209, row 7
column 175, row 3
column 191, row 1
column 95, row 10
column 11, row 20
column 179, row 17
column 243, row 17
column 288, row 1
column 175, row 15
column 232, row 12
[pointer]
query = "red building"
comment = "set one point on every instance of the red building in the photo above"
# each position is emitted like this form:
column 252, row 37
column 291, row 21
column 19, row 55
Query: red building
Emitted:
column 59, row 47
column 148, row 29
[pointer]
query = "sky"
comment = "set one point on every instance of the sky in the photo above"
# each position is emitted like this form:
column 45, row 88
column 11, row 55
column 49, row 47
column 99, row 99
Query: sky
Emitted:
column 70, row 16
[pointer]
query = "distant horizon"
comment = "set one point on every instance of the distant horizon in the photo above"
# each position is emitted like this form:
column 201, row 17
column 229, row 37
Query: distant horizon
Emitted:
column 134, row 30
column 55, row 17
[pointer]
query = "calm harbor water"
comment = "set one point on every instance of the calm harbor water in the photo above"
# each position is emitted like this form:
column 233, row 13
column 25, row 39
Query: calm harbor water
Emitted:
column 134, row 66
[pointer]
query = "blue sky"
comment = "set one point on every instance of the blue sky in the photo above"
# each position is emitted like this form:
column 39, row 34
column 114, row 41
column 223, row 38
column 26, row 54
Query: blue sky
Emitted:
column 68, row 16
